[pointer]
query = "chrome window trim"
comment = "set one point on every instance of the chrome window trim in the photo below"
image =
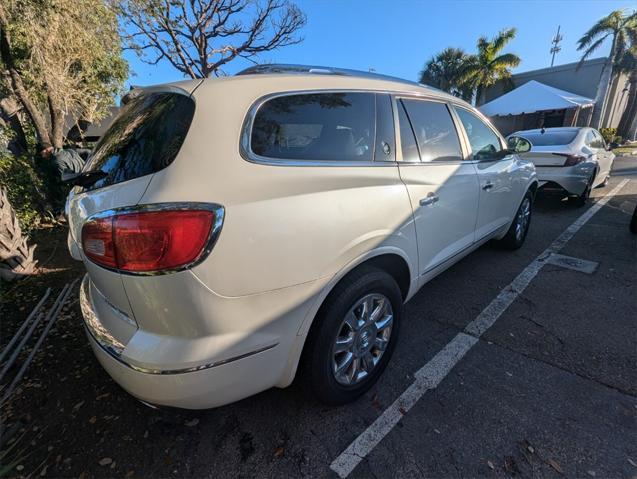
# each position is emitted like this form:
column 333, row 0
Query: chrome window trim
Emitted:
column 246, row 129
column 114, row 348
column 219, row 218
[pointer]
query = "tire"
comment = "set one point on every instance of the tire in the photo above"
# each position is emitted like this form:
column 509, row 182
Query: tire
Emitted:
column 320, row 359
column 582, row 199
column 633, row 222
column 515, row 236
column 604, row 183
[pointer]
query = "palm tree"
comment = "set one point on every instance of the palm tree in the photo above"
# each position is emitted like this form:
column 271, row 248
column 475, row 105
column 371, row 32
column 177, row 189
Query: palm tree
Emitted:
column 627, row 64
column 444, row 71
column 621, row 27
column 488, row 66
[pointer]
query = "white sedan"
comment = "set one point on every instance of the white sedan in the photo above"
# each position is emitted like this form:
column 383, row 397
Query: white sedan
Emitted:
column 569, row 161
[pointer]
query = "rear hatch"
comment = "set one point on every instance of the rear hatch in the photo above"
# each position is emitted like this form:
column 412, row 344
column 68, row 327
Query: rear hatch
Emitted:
column 554, row 155
column 549, row 147
column 145, row 137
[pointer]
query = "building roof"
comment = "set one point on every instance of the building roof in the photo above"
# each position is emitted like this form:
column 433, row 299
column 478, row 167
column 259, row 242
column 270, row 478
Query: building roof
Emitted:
column 531, row 97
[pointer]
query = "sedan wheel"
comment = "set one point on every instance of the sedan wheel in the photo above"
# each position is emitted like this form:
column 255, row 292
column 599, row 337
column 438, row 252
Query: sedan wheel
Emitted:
column 583, row 198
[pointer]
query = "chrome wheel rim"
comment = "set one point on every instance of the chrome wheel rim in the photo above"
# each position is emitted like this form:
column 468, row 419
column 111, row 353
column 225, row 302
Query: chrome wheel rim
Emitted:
column 523, row 219
column 362, row 339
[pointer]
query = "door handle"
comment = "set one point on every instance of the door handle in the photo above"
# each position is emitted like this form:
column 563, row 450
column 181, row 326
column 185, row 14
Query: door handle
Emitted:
column 430, row 199
column 487, row 186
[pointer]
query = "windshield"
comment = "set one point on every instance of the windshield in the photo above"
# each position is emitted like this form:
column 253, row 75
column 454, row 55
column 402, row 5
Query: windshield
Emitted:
column 549, row 138
column 144, row 138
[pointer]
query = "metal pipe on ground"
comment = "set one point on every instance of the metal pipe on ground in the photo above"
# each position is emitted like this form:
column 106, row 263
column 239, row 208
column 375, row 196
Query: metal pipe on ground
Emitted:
column 29, row 333
column 33, row 312
column 51, row 318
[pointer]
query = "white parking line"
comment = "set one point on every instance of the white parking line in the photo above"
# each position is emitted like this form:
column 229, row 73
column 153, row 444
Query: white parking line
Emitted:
column 434, row 371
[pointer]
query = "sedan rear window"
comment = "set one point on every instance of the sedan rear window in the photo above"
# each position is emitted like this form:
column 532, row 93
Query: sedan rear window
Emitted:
column 144, row 138
column 549, row 138
column 316, row 126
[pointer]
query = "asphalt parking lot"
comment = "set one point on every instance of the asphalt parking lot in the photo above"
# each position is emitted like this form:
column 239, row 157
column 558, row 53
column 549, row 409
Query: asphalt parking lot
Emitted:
column 549, row 389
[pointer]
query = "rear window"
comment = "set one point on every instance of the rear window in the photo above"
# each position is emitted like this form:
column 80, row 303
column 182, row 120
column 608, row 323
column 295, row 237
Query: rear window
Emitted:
column 316, row 126
column 144, row 138
column 550, row 138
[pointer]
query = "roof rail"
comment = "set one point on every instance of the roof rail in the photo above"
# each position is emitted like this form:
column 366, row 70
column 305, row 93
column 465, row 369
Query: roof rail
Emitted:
column 319, row 70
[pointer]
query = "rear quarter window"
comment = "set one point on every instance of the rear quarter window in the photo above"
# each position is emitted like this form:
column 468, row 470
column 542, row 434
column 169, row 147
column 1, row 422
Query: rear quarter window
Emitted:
column 145, row 137
column 315, row 127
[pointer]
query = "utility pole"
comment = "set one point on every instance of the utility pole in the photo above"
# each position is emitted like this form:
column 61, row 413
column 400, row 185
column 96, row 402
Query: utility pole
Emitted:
column 556, row 44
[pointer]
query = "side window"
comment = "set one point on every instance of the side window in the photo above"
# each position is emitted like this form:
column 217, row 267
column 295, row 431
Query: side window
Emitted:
column 435, row 131
column 590, row 139
column 483, row 140
column 407, row 139
column 599, row 140
column 316, row 126
column 385, row 134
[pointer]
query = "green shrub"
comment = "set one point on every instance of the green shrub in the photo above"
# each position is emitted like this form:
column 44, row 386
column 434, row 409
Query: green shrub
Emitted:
column 610, row 135
column 25, row 190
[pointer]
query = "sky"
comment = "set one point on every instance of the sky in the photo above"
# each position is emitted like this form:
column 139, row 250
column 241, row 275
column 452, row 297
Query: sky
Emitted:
column 397, row 37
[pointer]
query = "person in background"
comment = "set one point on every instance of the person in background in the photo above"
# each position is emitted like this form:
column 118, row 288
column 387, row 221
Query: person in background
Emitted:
column 67, row 161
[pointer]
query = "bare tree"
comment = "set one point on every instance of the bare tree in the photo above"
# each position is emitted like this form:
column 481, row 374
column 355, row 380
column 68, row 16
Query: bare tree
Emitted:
column 199, row 37
column 57, row 60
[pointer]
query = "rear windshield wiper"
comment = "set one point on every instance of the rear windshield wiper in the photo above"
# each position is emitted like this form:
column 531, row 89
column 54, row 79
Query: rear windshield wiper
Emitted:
column 86, row 178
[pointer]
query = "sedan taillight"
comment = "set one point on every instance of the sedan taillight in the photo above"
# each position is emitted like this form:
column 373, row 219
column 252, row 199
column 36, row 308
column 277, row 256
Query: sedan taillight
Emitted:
column 571, row 160
column 148, row 240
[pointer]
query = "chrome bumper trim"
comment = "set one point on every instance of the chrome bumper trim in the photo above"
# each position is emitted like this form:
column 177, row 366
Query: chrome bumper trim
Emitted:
column 114, row 348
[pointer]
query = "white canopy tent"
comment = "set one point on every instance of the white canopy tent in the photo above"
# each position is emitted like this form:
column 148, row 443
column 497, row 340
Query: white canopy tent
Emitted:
column 533, row 97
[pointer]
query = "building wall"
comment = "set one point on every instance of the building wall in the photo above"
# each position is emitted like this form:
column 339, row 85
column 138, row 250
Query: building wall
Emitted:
column 583, row 81
column 565, row 77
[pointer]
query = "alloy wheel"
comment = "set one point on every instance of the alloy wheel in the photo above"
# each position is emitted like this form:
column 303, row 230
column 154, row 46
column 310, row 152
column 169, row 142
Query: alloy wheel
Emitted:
column 362, row 339
column 523, row 219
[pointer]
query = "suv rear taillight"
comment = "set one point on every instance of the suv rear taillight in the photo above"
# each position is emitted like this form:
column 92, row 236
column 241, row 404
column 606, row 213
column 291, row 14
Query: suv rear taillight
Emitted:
column 571, row 160
column 152, row 238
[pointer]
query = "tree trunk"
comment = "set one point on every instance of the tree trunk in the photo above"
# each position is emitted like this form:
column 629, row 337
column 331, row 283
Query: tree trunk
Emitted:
column 604, row 85
column 600, row 95
column 9, row 114
column 57, row 122
column 17, row 85
column 632, row 129
column 630, row 111
column 16, row 256
column 479, row 91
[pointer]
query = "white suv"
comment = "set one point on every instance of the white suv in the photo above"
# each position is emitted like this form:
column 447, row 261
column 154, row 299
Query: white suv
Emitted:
column 239, row 229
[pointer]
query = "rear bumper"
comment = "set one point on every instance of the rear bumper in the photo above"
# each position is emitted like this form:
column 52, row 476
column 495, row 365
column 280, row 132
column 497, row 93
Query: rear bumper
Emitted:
column 231, row 371
column 198, row 389
column 572, row 180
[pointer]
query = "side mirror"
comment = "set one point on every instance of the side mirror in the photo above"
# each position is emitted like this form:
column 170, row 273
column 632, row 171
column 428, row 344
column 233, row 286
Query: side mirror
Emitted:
column 518, row 144
column 612, row 145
